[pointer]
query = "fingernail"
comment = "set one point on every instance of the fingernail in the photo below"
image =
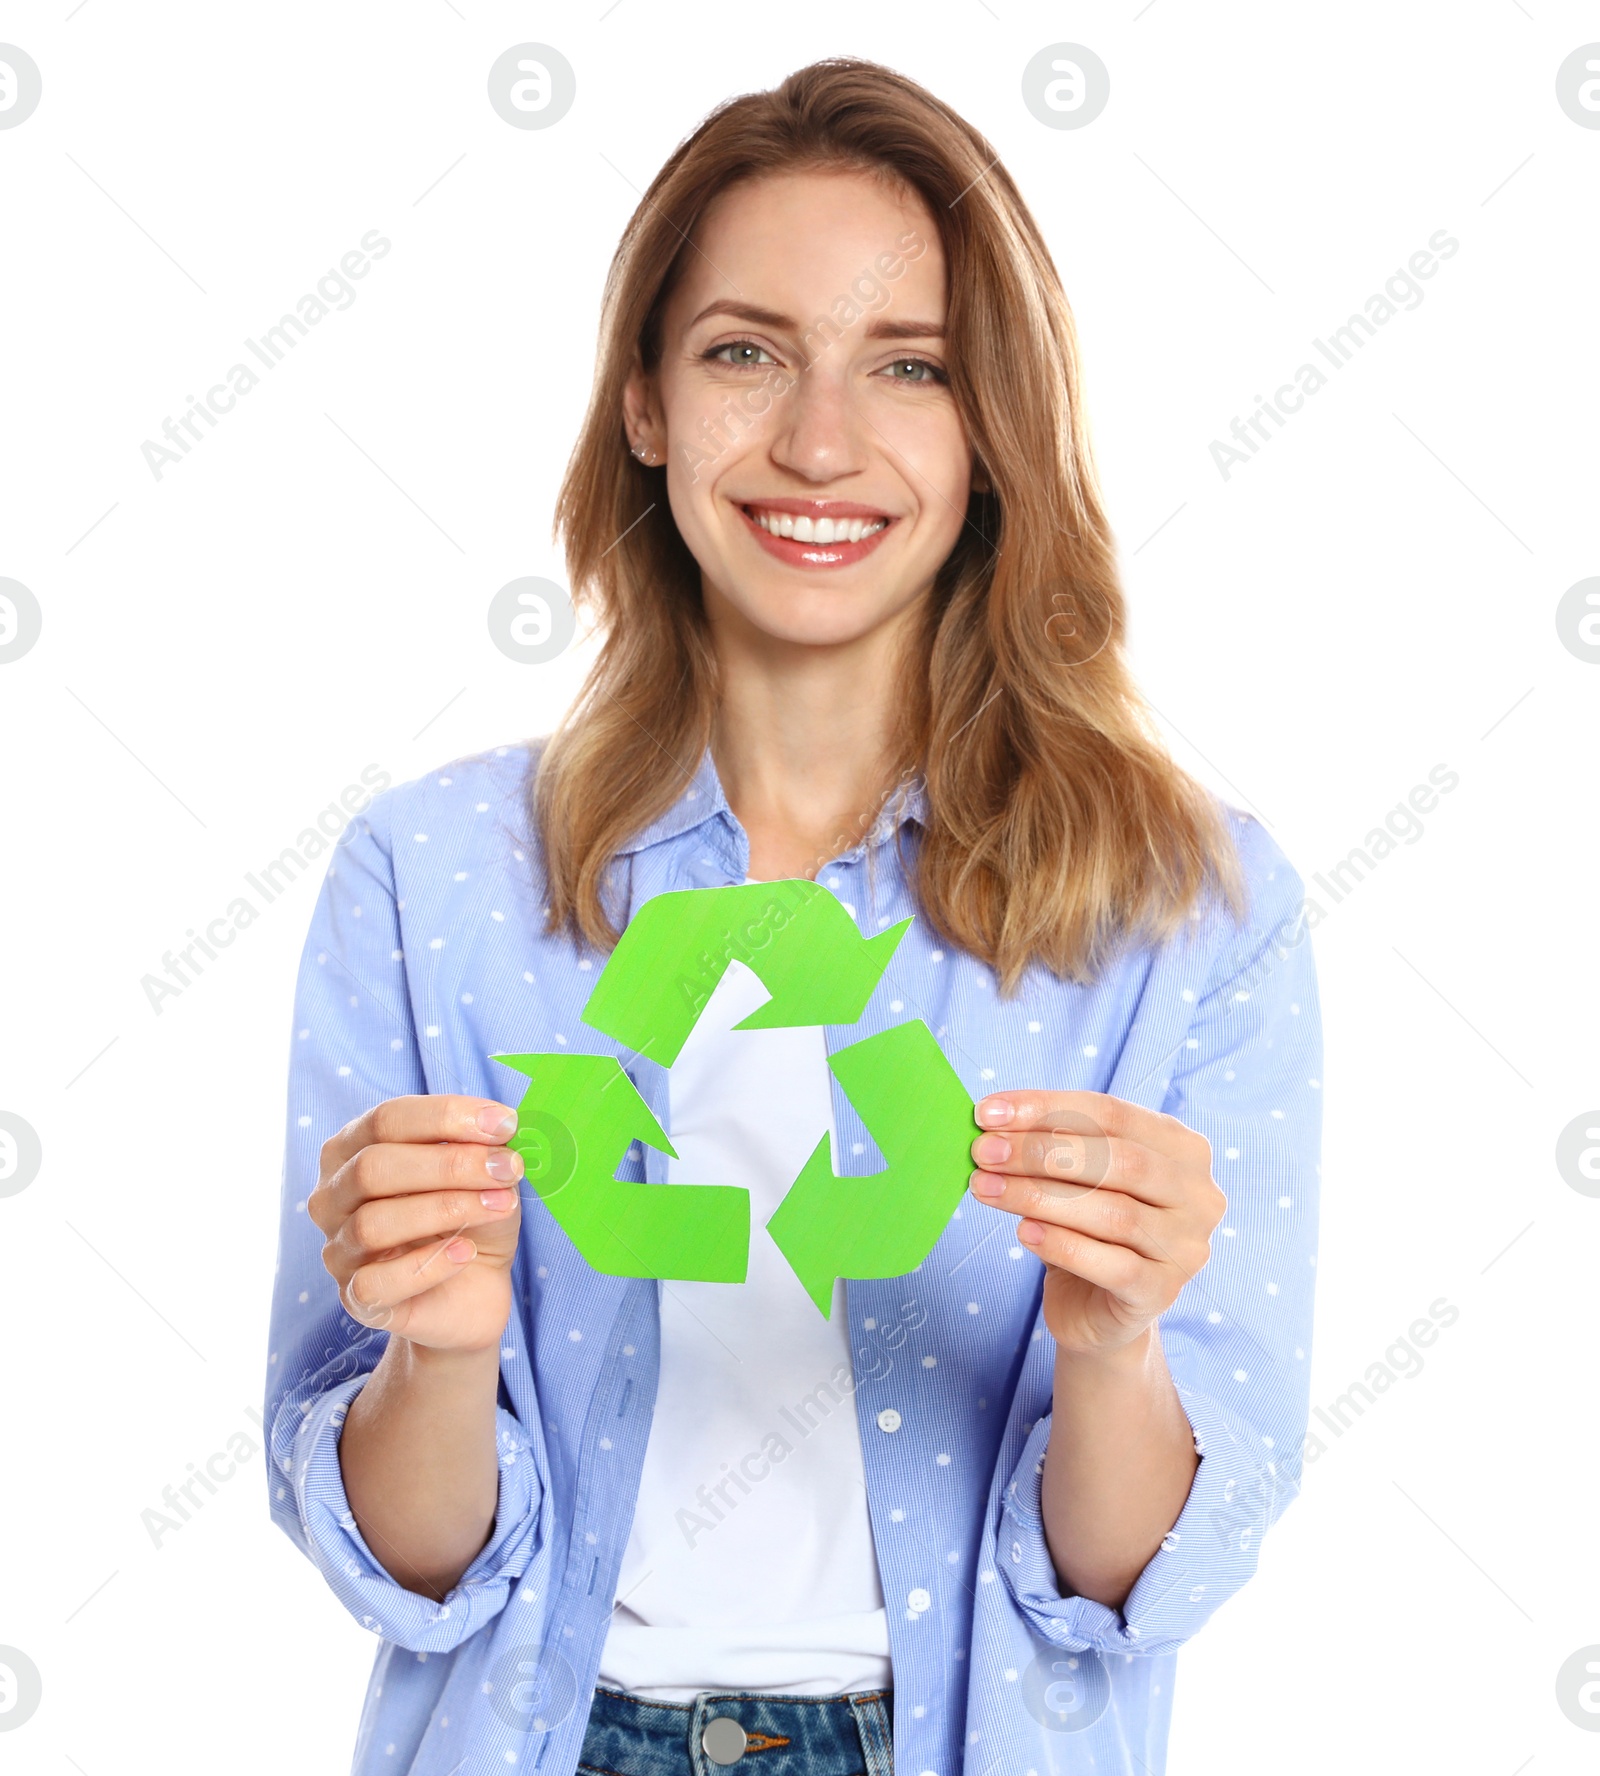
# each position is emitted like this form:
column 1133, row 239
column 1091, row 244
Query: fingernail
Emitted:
column 459, row 1251
column 1030, row 1232
column 503, row 1163
column 987, row 1184
column 495, row 1119
column 992, row 1149
column 497, row 1199
column 994, row 1112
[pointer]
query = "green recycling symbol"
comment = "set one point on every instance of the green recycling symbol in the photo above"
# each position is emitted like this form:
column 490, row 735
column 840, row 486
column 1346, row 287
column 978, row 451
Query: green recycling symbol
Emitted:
column 580, row 1113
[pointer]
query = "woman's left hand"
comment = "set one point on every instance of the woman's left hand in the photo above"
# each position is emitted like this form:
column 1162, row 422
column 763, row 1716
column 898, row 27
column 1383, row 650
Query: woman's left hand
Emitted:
column 1117, row 1200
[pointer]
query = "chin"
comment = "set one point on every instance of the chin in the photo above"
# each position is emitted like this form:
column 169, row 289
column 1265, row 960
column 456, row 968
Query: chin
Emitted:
column 812, row 628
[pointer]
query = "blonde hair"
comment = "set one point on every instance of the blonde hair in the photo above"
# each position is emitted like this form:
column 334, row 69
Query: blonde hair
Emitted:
column 1057, row 826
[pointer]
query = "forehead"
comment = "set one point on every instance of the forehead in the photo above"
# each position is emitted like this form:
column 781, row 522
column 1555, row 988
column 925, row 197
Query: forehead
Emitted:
column 796, row 242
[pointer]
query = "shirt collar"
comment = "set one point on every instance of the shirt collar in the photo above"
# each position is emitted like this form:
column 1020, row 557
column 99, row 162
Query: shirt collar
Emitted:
column 702, row 799
column 908, row 800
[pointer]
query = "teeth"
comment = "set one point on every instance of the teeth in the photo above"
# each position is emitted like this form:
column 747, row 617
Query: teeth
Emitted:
column 821, row 530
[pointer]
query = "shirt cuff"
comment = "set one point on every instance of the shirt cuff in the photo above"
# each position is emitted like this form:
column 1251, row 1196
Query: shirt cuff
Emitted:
column 358, row 1579
column 1205, row 1557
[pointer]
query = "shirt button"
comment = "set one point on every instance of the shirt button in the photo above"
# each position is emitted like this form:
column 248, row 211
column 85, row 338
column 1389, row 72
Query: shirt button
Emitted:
column 888, row 1419
column 919, row 1600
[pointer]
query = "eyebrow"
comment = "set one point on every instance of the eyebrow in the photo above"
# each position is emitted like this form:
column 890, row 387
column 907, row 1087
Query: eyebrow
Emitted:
column 881, row 326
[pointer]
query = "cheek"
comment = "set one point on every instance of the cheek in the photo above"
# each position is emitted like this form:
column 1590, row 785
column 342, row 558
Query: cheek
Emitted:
column 689, row 483
column 702, row 447
column 933, row 455
column 696, row 458
column 689, row 407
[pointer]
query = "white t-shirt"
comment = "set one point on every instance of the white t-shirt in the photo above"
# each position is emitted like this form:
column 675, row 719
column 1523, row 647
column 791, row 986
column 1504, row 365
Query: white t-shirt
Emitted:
column 750, row 1564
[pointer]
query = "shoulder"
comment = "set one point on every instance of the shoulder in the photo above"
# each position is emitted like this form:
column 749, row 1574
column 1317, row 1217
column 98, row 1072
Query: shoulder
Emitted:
column 453, row 794
column 460, row 807
column 1273, row 898
column 1272, row 883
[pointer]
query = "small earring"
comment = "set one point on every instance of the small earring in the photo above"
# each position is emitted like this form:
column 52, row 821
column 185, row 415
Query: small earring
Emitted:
column 644, row 456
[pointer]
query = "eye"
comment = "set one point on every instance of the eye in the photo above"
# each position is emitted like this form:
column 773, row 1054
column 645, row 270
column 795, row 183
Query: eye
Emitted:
column 741, row 353
column 914, row 370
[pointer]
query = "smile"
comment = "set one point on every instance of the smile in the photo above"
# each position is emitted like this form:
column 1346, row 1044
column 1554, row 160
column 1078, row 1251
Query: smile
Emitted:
column 820, row 533
column 820, row 530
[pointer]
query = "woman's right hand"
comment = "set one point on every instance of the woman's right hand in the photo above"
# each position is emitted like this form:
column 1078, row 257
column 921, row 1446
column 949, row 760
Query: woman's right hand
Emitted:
column 420, row 1205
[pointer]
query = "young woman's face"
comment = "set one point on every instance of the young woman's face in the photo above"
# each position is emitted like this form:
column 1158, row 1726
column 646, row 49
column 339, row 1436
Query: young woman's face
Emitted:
column 815, row 462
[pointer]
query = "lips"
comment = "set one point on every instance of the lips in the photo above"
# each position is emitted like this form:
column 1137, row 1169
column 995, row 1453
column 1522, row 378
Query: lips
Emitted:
column 823, row 533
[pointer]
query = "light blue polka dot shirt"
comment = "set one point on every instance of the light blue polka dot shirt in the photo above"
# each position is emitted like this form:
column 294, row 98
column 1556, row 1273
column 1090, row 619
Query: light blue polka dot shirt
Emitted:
column 426, row 956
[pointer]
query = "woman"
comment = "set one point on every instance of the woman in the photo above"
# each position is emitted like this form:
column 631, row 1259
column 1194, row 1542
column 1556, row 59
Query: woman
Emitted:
column 834, row 505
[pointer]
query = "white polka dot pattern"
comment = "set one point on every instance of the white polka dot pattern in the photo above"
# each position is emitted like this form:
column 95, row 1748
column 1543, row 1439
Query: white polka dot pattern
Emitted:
column 426, row 954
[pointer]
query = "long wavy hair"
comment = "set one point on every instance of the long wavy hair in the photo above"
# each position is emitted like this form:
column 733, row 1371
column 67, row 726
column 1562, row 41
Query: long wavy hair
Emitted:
column 1057, row 826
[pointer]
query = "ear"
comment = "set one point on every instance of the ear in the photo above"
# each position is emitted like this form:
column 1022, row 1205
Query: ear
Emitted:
column 642, row 420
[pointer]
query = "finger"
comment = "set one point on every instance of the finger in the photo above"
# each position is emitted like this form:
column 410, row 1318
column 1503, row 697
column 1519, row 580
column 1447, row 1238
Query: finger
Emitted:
column 1105, row 1215
column 390, row 1169
column 1090, row 1113
column 386, row 1226
column 433, row 1118
column 1079, row 1158
column 1133, row 1280
column 373, row 1293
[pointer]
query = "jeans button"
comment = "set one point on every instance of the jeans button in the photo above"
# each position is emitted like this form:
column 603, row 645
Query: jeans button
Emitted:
column 724, row 1740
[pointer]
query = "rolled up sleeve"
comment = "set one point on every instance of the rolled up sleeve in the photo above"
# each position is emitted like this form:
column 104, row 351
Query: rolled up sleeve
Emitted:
column 1238, row 1339
column 309, row 1464
column 354, row 1044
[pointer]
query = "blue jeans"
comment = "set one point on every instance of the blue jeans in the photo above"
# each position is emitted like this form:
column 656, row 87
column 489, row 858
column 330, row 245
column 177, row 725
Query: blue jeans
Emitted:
column 783, row 1735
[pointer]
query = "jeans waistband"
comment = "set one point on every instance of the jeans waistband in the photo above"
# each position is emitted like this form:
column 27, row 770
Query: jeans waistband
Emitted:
column 751, row 1735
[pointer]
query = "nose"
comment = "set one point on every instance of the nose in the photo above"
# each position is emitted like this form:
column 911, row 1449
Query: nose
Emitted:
column 820, row 434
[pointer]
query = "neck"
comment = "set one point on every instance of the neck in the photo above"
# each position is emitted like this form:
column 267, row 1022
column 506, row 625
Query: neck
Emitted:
column 805, row 739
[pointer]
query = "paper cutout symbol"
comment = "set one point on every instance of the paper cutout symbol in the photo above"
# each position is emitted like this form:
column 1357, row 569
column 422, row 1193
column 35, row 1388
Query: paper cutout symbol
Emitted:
column 577, row 1118
column 580, row 1113
column 794, row 936
column 918, row 1111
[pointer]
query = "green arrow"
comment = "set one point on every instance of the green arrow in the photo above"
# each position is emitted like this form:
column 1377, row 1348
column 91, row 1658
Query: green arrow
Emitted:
column 918, row 1111
column 577, row 1118
column 794, row 935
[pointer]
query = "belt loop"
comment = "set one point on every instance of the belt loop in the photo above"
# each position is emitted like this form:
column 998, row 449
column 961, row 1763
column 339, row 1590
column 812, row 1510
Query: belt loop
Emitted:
column 699, row 1713
column 872, row 1723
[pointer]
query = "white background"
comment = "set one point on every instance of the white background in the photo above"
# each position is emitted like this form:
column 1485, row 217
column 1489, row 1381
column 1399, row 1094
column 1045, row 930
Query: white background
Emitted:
column 225, row 649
